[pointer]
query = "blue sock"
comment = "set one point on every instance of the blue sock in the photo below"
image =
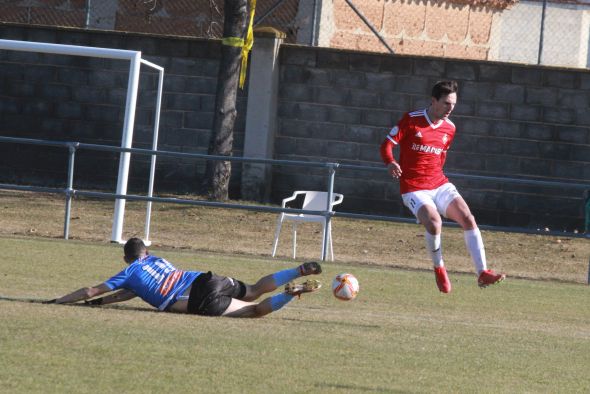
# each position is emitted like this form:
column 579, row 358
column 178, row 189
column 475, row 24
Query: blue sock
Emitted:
column 280, row 300
column 285, row 276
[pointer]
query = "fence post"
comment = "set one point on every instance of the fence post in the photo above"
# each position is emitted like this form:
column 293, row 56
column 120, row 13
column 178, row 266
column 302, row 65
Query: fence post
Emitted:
column 87, row 21
column 541, row 35
column 328, row 214
column 587, row 213
column 261, row 114
column 68, row 192
column 314, row 25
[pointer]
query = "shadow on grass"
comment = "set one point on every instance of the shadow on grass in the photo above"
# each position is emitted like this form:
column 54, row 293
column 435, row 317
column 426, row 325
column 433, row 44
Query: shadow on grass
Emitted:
column 333, row 323
column 44, row 301
column 347, row 387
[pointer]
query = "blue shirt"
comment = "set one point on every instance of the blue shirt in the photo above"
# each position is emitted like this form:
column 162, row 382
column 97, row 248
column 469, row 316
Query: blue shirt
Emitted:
column 154, row 280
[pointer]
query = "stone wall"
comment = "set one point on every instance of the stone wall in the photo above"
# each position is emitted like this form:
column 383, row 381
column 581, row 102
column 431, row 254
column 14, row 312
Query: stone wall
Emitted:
column 70, row 98
column 333, row 105
column 512, row 120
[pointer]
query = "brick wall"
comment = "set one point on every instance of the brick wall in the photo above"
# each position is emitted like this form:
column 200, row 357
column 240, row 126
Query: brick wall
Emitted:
column 512, row 121
column 71, row 98
column 443, row 28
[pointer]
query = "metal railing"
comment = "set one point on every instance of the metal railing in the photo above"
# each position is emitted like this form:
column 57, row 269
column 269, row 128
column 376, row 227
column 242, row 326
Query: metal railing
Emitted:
column 331, row 168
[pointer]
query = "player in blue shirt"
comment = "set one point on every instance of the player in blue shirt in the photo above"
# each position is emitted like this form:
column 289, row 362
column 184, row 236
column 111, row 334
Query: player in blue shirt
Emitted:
column 162, row 285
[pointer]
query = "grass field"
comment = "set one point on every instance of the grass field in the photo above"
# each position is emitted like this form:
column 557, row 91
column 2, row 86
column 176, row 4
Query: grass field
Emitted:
column 399, row 335
column 248, row 233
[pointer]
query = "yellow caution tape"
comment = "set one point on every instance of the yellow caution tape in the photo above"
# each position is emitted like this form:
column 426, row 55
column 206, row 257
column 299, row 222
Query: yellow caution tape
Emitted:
column 246, row 44
column 233, row 41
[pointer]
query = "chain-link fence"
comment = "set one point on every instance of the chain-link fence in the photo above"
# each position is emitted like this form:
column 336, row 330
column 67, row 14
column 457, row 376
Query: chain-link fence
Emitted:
column 549, row 32
column 194, row 18
column 554, row 33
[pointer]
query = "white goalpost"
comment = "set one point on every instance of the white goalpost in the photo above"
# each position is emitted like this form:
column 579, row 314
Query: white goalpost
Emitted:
column 135, row 61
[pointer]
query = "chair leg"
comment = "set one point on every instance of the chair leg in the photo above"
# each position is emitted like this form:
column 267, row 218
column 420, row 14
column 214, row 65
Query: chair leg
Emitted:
column 277, row 234
column 324, row 229
column 294, row 240
column 330, row 241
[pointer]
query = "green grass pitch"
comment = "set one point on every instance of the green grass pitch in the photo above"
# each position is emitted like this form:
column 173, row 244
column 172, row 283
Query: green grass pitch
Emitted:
column 399, row 335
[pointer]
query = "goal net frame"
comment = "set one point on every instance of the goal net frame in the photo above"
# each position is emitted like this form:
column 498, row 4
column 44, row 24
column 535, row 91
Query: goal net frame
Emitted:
column 135, row 62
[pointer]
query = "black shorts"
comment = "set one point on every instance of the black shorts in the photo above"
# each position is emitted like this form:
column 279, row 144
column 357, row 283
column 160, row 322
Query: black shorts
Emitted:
column 211, row 294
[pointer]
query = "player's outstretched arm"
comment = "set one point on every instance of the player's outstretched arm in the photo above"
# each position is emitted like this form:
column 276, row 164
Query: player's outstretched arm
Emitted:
column 83, row 294
column 119, row 296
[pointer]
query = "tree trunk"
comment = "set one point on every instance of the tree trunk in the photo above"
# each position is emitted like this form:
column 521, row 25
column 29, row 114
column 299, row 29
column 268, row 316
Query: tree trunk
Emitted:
column 217, row 173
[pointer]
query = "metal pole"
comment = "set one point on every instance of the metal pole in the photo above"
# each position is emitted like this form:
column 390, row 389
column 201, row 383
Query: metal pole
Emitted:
column 370, row 26
column 587, row 212
column 313, row 42
column 542, row 32
column 73, row 50
column 69, row 190
column 148, row 214
column 126, row 142
column 87, row 22
column 328, row 214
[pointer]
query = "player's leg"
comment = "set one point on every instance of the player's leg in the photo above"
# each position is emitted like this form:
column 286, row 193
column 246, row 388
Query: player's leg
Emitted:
column 430, row 218
column 271, row 282
column 459, row 211
column 432, row 222
column 239, row 308
column 423, row 207
column 215, row 295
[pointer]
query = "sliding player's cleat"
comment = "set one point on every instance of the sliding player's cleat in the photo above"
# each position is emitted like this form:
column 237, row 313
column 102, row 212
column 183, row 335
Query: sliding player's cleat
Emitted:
column 306, row 287
column 310, row 268
column 489, row 277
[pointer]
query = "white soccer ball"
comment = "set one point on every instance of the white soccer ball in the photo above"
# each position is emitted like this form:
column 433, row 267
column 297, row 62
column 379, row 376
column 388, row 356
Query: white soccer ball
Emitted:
column 345, row 287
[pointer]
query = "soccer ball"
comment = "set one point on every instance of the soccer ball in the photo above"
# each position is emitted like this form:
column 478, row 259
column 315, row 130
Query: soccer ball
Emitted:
column 345, row 287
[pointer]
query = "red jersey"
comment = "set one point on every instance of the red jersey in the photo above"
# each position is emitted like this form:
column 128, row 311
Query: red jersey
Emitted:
column 423, row 149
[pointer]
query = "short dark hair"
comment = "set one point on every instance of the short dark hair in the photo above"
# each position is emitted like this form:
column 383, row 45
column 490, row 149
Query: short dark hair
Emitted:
column 134, row 248
column 444, row 88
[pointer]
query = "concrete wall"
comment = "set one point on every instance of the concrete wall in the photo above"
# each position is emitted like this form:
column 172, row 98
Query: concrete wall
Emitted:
column 332, row 105
column 512, row 120
column 83, row 99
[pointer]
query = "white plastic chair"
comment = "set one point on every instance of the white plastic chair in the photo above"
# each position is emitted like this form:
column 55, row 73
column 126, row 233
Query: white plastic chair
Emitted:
column 313, row 201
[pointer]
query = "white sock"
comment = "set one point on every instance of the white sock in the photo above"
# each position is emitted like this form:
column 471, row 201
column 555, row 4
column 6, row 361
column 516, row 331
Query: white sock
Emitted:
column 474, row 244
column 433, row 246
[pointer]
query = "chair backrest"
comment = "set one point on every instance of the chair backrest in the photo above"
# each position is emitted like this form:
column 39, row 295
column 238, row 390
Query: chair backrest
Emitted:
column 317, row 201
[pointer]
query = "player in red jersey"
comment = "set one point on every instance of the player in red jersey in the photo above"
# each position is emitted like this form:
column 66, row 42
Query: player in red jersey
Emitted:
column 424, row 138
